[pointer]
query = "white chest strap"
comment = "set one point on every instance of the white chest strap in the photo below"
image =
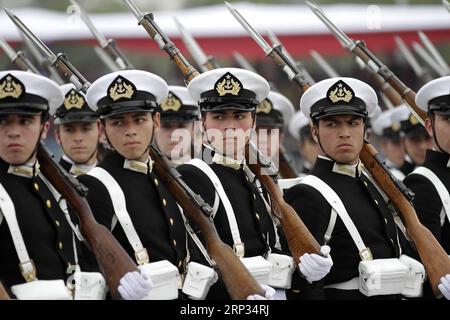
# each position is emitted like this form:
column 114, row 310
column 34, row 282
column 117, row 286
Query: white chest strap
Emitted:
column 440, row 188
column 238, row 246
column 9, row 212
column 337, row 206
column 120, row 209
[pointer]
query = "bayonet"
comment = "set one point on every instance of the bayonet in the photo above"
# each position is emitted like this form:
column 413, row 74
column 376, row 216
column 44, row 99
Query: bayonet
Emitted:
column 374, row 64
column 108, row 45
column 18, row 58
column 428, row 59
column 243, row 62
column 446, row 5
column 148, row 23
column 326, row 67
column 433, row 51
column 60, row 61
column 204, row 62
column 421, row 72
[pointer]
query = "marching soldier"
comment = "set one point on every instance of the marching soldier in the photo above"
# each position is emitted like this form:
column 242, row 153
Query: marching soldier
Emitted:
column 300, row 129
column 179, row 114
column 388, row 133
column 124, row 193
column 361, row 227
column 228, row 98
column 431, row 181
column 415, row 139
column 77, row 130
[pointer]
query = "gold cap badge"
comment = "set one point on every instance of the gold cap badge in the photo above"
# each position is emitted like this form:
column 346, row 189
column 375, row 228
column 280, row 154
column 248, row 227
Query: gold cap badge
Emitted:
column 171, row 103
column 73, row 100
column 264, row 107
column 121, row 88
column 10, row 86
column 396, row 126
column 413, row 120
column 340, row 91
column 228, row 84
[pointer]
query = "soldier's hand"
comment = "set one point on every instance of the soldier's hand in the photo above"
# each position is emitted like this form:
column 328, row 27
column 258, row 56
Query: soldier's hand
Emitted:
column 269, row 293
column 313, row 266
column 135, row 286
column 444, row 286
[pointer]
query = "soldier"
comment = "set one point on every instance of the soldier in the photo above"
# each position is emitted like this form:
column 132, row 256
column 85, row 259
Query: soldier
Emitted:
column 124, row 193
column 228, row 98
column 388, row 133
column 415, row 139
column 431, row 181
column 77, row 131
column 179, row 114
column 300, row 129
column 362, row 226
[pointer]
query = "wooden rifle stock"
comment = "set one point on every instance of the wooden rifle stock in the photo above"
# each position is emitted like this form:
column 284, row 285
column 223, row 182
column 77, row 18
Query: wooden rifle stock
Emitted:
column 113, row 260
column 238, row 280
column 3, row 293
column 298, row 237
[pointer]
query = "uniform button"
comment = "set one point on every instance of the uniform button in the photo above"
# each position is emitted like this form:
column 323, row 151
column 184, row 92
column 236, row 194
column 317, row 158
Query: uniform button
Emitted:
column 164, row 202
column 57, row 223
column 60, row 245
column 376, row 202
column 254, row 196
column 171, row 221
column 392, row 240
column 180, row 263
column 48, row 203
column 365, row 183
column 295, row 291
column 156, row 182
column 174, row 242
column 385, row 221
column 16, row 169
column 257, row 216
column 36, row 186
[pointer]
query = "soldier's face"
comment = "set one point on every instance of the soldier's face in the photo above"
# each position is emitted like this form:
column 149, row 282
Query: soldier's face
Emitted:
column 393, row 151
column 174, row 139
column 19, row 135
column 416, row 147
column 442, row 129
column 79, row 140
column 130, row 134
column 228, row 131
column 341, row 136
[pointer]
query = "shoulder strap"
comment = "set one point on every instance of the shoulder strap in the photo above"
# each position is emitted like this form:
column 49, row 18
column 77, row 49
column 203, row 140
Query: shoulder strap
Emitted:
column 336, row 204
column 120, row 210
column 440, row 188
column 238, row 245
column 9, row 212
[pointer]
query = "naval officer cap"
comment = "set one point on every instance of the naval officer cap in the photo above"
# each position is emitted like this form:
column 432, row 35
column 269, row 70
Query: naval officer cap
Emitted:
column 386, row 126
column 126, row 91
column 28, row 93
column 179, row 106
column 299, row 126
column 274, row 111
column 338, row 96
column 74, row 108
column 434, row 97
column 228, row 88
column 409, row 125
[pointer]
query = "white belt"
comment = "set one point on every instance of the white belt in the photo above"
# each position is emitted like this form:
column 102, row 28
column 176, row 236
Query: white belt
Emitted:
column 352, row 284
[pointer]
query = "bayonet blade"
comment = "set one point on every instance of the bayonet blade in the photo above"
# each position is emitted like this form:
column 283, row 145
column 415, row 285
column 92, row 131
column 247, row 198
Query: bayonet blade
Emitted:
column 98, row 35
column 192, row 45
column 10, row 52
column 136, row 11
column 251, row 31
column 446, row 5
column 342, row 37
column 428, row 59
column 433, row 51
column 329, row 70
column 22, row 27
column 243, row 62
column 418, row 70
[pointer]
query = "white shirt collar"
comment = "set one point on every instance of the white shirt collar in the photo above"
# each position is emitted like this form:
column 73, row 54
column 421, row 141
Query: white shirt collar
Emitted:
column 227, row 161
column 351, row 170
column 26, row 170
column 139, row 166
column 78, row 169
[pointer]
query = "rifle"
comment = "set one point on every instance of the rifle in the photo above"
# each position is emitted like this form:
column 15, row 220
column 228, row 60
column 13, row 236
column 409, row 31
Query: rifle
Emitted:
column 3, row 293
column 428, row 59
column 422, row 73
column 298, row 236
column 113, row 260
column 107, row 45
column 446, row 5
column 60, row 62
column 434, row 52
column 18, row 58
column 434, row 258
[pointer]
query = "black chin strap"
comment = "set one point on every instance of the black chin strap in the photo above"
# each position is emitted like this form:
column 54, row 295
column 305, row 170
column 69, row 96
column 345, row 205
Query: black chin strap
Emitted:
column 33, row 153
column 432, row 119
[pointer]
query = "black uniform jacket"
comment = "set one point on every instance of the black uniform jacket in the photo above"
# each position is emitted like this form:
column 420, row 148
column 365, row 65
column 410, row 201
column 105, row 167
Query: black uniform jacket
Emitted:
column 369, row 213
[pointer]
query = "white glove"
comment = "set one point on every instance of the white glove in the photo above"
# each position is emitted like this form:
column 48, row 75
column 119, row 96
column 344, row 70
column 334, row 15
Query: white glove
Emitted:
column 444, row 286
column 135, row 286
column 269, row 293
column 313, row 266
